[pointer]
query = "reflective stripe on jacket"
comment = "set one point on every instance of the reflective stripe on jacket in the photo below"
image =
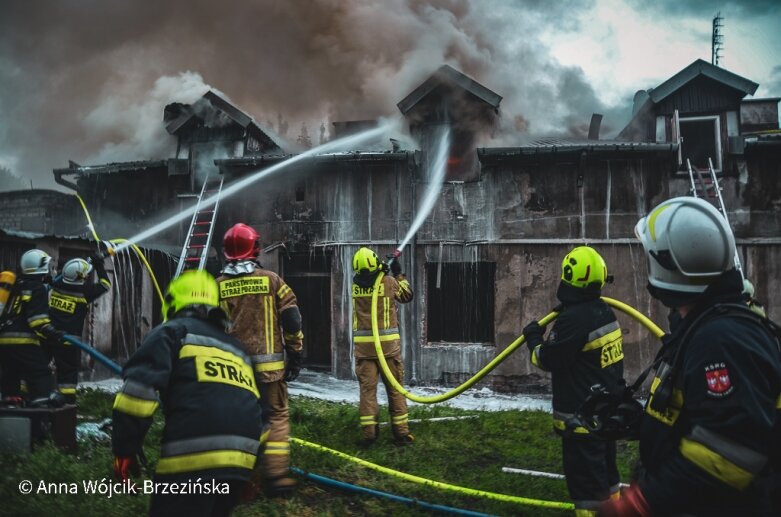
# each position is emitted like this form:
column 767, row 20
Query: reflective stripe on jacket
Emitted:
column 391, row 290
column 255, row 302
column 205, row 382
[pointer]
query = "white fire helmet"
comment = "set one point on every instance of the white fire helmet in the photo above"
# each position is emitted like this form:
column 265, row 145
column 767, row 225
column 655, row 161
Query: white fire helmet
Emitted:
column 76, row 271
column 688, row 244
column 35, row 262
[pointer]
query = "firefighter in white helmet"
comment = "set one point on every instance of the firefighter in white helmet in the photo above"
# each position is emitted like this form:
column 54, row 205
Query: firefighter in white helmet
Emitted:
column 709, row 439
column 71, row 295
column 25, row 325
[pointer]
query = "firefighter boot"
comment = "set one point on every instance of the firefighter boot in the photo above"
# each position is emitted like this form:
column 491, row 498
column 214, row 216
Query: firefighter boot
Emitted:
column 370, row 432
column 407, row 439
column 279, row 486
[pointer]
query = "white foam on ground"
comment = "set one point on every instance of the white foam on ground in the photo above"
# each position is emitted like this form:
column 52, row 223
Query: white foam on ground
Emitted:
column 325, row 387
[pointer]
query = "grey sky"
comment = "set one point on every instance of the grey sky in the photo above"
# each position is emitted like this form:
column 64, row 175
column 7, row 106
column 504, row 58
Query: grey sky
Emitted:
column 87, row 80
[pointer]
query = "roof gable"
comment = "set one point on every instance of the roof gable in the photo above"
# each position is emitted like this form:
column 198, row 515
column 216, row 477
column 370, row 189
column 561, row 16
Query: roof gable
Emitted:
column 702, row 68
column 449, row 75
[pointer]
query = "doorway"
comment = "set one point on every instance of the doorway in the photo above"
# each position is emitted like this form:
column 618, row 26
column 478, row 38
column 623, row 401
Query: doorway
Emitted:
column 309, row 275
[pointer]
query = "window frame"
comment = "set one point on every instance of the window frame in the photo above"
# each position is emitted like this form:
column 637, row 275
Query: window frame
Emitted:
column 489, row 330
column 717, row 160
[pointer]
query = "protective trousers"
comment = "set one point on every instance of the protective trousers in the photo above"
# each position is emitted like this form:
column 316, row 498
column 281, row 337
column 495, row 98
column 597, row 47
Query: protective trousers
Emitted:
column 67, row 359
column 591, row 471
column 368, row 372
column 30, row 364
column 275, row 460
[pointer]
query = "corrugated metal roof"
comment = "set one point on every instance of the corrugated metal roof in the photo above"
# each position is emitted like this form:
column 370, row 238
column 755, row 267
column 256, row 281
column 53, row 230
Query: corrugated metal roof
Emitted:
column 22, row 234
column 698, row 68
column 449, row 74
column 111, row 168
column 763, row 139
column 349, row 156
column 553, row 145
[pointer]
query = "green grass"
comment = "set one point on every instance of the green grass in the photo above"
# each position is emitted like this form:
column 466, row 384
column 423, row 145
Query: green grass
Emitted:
column 468, row 453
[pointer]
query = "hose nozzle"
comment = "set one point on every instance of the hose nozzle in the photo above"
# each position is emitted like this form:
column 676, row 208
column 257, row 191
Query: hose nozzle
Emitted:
column 109, row 250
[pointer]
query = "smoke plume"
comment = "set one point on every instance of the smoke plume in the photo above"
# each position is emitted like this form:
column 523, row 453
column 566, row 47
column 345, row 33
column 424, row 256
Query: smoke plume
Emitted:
column 88, row 80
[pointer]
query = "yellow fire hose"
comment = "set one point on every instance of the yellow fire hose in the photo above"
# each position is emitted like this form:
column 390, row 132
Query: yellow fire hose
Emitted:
column 438, row 484
column 138, row 251
column 650, row 325
column 142, row 258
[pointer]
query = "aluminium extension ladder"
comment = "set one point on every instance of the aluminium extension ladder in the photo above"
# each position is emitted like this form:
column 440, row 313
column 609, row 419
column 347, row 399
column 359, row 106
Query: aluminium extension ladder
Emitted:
column 709, row 189
column 199, row 237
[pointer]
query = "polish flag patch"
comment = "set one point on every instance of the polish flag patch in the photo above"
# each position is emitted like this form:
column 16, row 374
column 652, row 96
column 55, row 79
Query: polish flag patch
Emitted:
column 717, row 380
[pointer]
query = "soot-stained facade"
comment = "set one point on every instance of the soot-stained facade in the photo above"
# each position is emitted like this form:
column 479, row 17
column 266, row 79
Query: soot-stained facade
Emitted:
column 486, row 260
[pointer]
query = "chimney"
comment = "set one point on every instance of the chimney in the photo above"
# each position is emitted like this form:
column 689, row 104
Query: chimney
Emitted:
column 640, row 97
column 593, row 128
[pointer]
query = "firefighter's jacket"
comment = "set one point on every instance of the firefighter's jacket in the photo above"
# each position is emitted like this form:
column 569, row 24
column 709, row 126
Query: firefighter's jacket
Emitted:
column 708, row 429
column 203, row 379
column 68, row 303
column 584, row 348
column 265, row 316
column 391, row 290
column 28, row 319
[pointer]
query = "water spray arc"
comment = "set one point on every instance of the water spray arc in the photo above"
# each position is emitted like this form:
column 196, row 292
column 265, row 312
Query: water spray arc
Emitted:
column 436, row 178
column 237, row 186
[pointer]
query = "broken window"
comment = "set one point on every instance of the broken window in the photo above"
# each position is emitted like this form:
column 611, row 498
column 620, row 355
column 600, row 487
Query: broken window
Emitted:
column 460, row 301
column 700, row 140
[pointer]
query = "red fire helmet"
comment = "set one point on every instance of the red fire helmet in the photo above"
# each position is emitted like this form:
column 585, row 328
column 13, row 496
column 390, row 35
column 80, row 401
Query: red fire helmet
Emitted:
column 241, row 242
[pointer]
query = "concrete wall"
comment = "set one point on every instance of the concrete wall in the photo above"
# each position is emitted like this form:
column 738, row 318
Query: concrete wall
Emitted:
column 43, row 211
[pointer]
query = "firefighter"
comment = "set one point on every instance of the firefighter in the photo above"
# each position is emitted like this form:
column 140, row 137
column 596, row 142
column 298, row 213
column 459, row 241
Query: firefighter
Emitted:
column 26, row 325
column 203, row 379
column 392, row 289
column 69, row 298
column 707, row 433
column 267, row 321
column 584, row 348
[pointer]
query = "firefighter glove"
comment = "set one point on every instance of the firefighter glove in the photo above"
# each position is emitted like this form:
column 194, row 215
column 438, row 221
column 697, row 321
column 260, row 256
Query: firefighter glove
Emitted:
column 125, row 467
column 395, row 267
column 632, row 503
column 534, row 334
column 293, row 365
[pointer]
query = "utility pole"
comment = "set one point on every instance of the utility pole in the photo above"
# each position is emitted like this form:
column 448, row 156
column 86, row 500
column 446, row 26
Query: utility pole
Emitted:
column 717, row 39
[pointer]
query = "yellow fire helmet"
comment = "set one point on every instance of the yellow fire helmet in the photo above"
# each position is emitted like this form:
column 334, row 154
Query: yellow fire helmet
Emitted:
column 365, row 260
column 583, row 266
column 193, row 287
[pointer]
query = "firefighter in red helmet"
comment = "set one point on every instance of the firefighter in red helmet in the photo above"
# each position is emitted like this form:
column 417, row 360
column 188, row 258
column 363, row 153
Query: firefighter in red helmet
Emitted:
column 267, row 321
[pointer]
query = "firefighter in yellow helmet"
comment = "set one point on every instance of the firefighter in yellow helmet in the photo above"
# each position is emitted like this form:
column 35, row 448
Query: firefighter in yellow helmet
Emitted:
column 392, row 289
column 584, row 348
column 265, row 316
column 203, row 379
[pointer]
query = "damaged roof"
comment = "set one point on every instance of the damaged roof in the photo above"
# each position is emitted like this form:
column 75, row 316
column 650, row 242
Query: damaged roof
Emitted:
column 449, row 75
column 179, row 117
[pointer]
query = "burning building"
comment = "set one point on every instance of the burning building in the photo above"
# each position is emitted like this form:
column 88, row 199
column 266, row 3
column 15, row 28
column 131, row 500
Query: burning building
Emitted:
column 486, row 260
